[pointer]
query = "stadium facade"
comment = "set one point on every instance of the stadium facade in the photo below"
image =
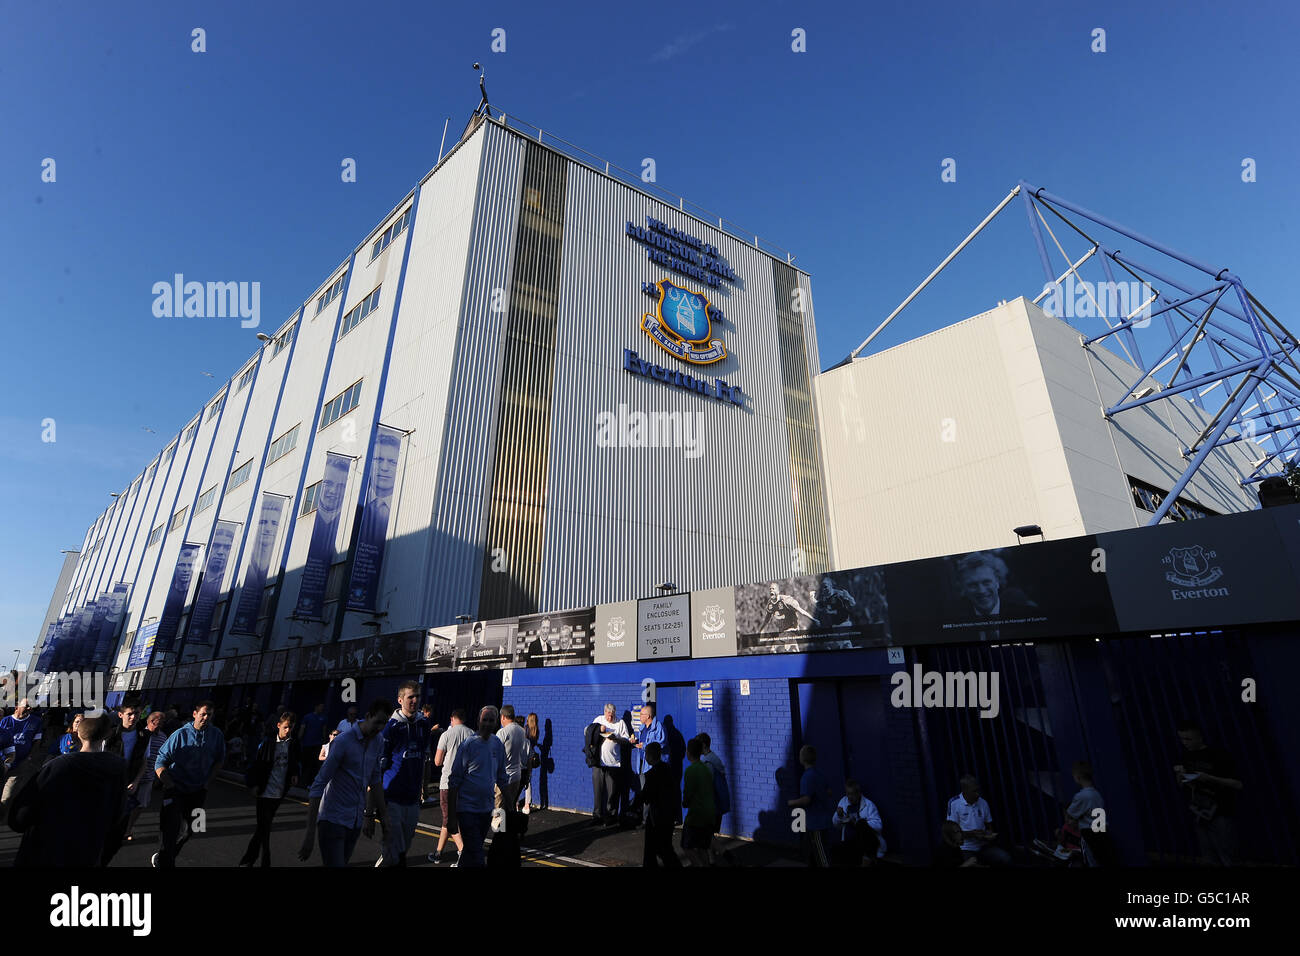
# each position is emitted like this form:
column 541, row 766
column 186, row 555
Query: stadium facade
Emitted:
column 492, row 409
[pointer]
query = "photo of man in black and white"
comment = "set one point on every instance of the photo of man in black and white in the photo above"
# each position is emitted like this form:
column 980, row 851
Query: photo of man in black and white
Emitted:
column 813, row 612
column 983, row 581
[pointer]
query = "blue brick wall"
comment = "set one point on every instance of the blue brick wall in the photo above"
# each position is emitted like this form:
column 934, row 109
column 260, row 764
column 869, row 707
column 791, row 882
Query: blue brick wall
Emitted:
column 752, row 734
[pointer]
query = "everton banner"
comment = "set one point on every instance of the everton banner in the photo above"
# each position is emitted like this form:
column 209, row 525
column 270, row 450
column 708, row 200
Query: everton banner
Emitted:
column 368, row 559
column 320, row 552
column 76, row 646
column 62, row 640
column 47, row 649
column 265, row 533
column 214, row 575
column 177, row 595
column 142, row 648
column 114, row 603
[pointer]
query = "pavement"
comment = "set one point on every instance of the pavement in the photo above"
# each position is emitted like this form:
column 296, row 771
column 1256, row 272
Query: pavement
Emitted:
column 555, row 838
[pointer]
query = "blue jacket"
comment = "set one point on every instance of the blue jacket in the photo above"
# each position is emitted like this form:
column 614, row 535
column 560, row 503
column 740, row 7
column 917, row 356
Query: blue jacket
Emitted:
column 406, row 744
column 650, row 733
column 190, row 756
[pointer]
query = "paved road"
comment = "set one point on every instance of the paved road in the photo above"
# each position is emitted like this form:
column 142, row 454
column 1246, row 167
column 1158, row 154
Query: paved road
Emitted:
column 556, row 838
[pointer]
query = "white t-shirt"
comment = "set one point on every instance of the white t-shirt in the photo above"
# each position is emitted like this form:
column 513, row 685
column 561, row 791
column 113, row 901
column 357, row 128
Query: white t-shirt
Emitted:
column 970, row 816
column 345, row 725
column 611, row 754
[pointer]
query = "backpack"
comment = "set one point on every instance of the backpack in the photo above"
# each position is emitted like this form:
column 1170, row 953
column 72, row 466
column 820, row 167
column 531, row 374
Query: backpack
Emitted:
column 721, row 794
column 592, row 744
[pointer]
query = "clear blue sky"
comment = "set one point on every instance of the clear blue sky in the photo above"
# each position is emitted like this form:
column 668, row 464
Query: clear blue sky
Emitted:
column 225, row 165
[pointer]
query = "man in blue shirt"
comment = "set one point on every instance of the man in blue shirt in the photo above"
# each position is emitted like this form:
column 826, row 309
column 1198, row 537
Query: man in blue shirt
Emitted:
column 19, row 733
column 479, row 768
column 405, row 747
column 815, row 800
column 347, row 795
column 652, row 732
column 186, row 766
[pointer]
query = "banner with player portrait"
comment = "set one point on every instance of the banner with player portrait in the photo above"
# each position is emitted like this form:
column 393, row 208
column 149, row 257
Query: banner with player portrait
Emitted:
column 95, row 614
column 550, row 640
column 177, row 595
column 486, row 645
column 47, row 649
column 263, row 537
column 839, row 610
column 114, row 602
column 368, row 559
column 324, row 534
column 214, row 575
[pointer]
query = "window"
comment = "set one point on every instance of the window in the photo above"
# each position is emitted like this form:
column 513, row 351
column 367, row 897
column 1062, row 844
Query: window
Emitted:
column 330, row 294
column 240, row 475
column 215, row 407
column 1148, row 498
column 190, row 432
column 154, row 536
column 363, row 309
column 206, row 499
column 177, row 518
column 391, row 233
column 283, row 339
column 309, row 500
column 167, row 455
column 283, row 445
column 340, row 405
column 152, row 470
column 246, row 378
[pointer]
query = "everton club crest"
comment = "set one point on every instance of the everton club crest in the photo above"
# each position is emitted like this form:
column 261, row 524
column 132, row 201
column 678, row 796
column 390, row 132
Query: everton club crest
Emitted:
column 1191, row 567
column 681, row 324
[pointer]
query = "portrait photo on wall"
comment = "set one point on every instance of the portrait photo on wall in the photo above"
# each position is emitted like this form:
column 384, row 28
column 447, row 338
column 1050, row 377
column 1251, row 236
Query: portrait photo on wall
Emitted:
column 549, row 640
column 485, row 645
column 839, row 610
column 1033, row 590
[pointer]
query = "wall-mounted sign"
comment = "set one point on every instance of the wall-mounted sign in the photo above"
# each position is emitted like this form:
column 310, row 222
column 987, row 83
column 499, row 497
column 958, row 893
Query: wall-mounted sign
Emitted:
column 664, row 628
column 681, row 252
column 704, row 696
column 682, row 325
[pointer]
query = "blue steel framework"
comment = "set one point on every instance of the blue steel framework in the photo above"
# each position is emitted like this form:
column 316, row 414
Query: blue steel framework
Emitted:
column 1243, row 348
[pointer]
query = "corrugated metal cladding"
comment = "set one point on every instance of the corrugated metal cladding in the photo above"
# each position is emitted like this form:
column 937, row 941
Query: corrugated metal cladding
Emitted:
column 517, row 501
column 800, row 420
column 621, row 520
column 458, row 527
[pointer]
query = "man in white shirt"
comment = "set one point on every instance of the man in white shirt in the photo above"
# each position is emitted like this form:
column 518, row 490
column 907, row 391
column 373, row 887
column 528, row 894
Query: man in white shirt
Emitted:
column 861, row 830
column 971, row 812
column 515, row 740
column 611, row 764
column 349, row 722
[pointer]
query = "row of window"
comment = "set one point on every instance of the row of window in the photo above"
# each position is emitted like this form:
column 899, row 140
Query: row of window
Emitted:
column 283, row 445
column 190, row 433
column 246, row 378
column 340, row 405
column 216, row 407
column 1149, row 498
column 283, row 339
column 391, row 233
column 205, row 500
column 330, row 294
column 358, row 314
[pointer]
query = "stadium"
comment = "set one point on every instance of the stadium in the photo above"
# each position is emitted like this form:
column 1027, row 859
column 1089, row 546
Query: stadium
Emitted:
column 436, row 469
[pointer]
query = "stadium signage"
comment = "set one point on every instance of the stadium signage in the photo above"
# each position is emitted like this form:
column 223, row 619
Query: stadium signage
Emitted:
column 715, row 389
column 682, row 252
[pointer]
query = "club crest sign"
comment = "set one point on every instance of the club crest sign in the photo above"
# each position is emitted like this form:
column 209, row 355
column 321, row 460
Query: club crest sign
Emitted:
column 713, row 619
column 682, row 325
column 1191, row 567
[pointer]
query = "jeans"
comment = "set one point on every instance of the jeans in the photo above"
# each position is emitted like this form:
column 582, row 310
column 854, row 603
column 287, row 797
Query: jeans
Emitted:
column 1218, row 840
column 261, row 839
column 177, row 814
column 473, row 828
column 659, row 846
column 402, row 818
column 336, row 842
column 989, row 855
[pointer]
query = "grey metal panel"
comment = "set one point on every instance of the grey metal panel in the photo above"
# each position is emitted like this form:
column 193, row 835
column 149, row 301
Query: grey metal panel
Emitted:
column 458, row 523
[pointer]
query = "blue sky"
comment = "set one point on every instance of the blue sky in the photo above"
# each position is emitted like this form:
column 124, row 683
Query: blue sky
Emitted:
column 225, row 165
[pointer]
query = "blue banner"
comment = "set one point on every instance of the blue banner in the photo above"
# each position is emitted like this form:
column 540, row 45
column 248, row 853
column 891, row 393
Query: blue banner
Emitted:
column 143, row 645
column 62, row 641
column 259, row 562
column 111, row 628
column 177, row 595
column 46, row 656
column 83, row 640
column 214, row 575
column 320, row 552
column 368, row 559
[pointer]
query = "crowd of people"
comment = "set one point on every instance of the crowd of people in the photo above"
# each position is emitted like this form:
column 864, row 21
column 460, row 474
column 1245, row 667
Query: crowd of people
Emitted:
column 75, row 786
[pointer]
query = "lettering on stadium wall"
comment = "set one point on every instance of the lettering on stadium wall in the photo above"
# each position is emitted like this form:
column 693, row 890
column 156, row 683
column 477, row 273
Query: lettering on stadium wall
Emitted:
column 716, row 388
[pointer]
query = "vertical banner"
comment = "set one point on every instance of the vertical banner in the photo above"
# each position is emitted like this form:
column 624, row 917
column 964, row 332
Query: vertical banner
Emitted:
column 320, row 552
column 259, row 561
column 47, row 649
column 368, row 559
column 142, row 647
column 63, row 636
column 115, row 601
column 92, row 621
column 214, row 575
column 177, row 595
